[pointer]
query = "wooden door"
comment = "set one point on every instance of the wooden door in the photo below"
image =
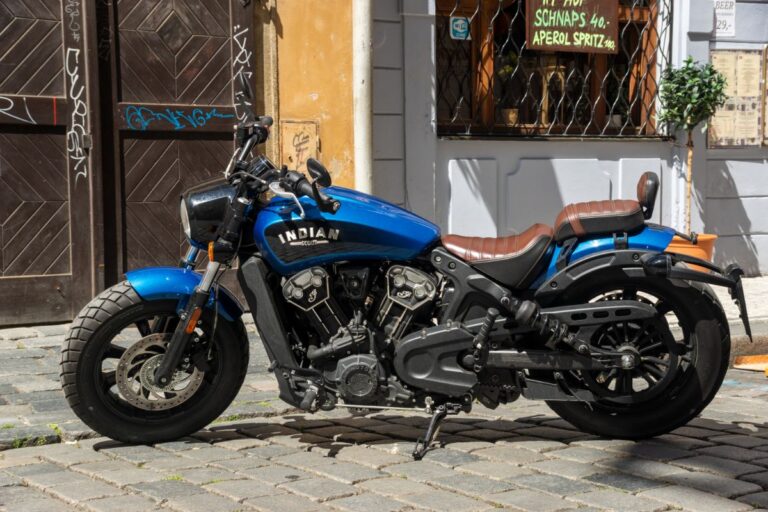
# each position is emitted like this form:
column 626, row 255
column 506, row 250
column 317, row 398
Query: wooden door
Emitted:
column 174, row 65
column 47, row 240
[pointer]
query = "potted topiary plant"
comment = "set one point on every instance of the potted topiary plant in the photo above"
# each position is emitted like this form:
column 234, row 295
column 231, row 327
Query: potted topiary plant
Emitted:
column 690, row 95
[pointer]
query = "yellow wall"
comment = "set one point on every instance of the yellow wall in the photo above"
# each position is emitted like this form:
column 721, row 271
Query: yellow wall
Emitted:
column 314, row 54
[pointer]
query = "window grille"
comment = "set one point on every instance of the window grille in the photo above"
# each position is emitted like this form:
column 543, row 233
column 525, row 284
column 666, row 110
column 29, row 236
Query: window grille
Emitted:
column 493, row 85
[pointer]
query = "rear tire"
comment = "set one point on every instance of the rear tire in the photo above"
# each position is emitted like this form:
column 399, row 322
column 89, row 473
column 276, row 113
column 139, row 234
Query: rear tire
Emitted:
column 704, row 328
column 93, row 397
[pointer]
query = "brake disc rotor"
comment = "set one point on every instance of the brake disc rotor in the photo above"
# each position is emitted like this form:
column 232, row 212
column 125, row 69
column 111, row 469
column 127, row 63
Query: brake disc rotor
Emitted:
column 136, row 376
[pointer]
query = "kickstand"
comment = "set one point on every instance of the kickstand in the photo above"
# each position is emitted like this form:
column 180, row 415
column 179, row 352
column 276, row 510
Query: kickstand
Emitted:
column 441, row 411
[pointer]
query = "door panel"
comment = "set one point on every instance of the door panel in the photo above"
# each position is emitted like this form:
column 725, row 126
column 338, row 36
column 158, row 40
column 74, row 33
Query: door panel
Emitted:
column 176, row 60
column 43, row 146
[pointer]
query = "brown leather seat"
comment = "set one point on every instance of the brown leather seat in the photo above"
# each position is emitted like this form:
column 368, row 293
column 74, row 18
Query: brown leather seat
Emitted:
column 605, row 217
column 512, row 260
column 598, row 217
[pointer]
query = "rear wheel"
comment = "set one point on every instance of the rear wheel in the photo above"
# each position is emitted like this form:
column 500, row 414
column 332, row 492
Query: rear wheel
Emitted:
column 682, row 358
column 109, row 358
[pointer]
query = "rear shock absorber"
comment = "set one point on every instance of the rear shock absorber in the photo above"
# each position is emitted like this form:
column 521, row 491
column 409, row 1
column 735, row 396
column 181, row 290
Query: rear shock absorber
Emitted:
column 528, row 314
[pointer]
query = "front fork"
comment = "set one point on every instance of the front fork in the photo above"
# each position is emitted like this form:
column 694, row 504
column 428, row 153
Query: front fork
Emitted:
column 188, row 319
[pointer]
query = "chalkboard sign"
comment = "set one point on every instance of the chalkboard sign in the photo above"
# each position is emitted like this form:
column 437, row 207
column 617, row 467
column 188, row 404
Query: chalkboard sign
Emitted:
column 586, row 26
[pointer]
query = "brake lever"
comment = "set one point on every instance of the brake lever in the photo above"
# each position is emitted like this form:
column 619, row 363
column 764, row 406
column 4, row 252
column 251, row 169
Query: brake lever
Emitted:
column 279, row 191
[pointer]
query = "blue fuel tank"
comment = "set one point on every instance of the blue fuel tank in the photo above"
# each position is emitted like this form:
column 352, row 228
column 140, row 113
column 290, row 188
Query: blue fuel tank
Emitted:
column 364, row 228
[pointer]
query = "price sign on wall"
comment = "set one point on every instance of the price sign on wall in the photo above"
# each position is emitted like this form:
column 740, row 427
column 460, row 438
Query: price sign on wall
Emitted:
column 725, row 18
column 588, row 26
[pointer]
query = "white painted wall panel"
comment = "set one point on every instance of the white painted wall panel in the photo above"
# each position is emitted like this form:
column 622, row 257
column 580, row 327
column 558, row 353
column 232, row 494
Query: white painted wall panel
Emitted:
column 389, row 180
column 388, row 137
column 734, row 178
column 387, row 45
column 737, row 216
column 386, row 10
column 473, row 209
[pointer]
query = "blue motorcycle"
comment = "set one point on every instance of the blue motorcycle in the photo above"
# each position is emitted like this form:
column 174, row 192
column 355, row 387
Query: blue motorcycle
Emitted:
column 364, row 305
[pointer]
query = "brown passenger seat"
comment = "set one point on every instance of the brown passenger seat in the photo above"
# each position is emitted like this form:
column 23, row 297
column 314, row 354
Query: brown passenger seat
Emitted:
column 512, row 260
column 612, row 216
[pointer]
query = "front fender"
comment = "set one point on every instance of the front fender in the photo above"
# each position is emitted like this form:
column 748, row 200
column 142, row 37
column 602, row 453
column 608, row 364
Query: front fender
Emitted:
column 174, row 283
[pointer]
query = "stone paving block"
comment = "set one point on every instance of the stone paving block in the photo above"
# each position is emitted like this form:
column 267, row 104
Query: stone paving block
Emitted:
column 691, row 499
column 275, row 474
column 485, row 434
column 63, row 476
column 17, row 333
column 241, row 443
column 443, row 500
column 173, row 463
column 237, row 464
column 164, row 489
column 556, row 434
column 302, row 423
column 33, row 469
column 450, row 458
column 696, row 432
column 503, row 425
column 83, row 491
column 732, row 452
column 132, row 502
column 759, row 499
column 304, row 459
column 615, row 500
column 420, row 471
column 393, row 486
column 355, row 437
column 211, row 454
column 284, row 503
column 682, row 442
column 625, row 482
column 568, row 470
column 529, row 501
column 582, row 454
column 494, row 469
column 740, row 440
column 553, row 484
column 202, row 476
column 653, row 450
column 468, row 446
column 204, row 502
column 31, row 501
column 368, row 457
column 319, row 489
column 473, row 485
column 714, row 484
column 510, row 454
column 269, row 452
column 182, row 445
column 239, row 490
column 641, row 467
column 718, row 465
column 533, row 444
column 398, row 431
column 368, row 503
column 74, row 455
column 137, row 454
column 760, row 479
column 347, row 472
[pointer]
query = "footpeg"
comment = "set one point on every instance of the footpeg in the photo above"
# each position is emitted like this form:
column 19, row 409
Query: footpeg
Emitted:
column 440, row 413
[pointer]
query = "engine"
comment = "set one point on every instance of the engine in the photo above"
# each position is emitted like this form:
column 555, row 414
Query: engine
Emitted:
column 355, row 321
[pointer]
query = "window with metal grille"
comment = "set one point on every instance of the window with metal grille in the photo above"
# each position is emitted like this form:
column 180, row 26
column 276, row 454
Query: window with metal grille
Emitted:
column 493, row 84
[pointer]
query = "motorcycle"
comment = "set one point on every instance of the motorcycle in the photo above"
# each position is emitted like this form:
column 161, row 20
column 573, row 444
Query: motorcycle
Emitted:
column 364, row 305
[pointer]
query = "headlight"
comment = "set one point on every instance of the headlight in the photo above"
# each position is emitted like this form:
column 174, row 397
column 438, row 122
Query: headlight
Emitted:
column 203, row 209
column 185, row 220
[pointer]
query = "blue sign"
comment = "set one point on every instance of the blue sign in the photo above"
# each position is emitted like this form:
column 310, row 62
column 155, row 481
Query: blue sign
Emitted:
column 460, row 28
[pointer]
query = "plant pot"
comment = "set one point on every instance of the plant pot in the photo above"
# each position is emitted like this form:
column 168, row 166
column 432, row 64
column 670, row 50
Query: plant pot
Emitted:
column 510, row 116
column 703, row 249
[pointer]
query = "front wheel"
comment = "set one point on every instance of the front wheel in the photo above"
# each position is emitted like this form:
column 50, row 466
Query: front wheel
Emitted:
column 683, row 356
column 109, row 358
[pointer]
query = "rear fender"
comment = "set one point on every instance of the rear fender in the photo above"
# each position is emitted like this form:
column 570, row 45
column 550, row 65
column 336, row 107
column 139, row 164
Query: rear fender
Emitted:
column 173, row 283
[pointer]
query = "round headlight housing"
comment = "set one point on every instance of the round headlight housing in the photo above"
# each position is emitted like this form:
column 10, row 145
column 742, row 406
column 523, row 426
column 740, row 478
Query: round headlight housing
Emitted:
column 185, row 219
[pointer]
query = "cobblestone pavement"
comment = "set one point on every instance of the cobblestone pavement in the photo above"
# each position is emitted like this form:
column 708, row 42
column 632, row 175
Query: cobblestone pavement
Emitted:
column 32, row 406
column 519, row 457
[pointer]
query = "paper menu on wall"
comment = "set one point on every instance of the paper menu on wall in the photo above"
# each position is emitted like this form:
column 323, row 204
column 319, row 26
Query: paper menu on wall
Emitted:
column 739, row 122
column 748, row 72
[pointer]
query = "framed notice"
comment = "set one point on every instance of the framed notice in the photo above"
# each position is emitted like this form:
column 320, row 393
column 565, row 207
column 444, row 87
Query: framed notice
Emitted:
column 587, row 26
column 739, row 122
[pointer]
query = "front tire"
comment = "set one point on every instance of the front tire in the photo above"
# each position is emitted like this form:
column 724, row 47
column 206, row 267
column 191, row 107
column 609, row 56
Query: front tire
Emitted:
column 703, row 344
column 93, row 352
